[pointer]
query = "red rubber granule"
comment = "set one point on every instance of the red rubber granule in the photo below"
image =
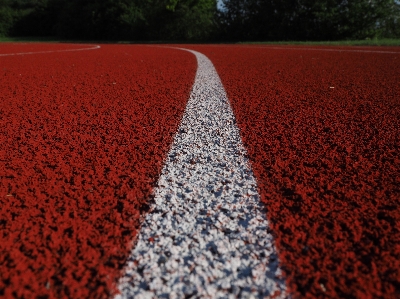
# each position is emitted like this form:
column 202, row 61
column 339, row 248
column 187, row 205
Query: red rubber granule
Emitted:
column 83, row 137
column 322, row 129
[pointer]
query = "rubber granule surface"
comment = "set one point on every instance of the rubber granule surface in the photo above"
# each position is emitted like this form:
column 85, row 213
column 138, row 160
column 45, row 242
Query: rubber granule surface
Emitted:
column 322, row 132
column 83, row 137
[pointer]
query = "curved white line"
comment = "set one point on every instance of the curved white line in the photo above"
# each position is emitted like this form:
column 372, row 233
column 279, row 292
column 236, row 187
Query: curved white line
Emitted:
column 207, row 235
column 54, row 51
column 299, row 48
column 329, row 50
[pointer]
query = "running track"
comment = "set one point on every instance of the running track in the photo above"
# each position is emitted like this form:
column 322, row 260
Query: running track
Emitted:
column 85, row 131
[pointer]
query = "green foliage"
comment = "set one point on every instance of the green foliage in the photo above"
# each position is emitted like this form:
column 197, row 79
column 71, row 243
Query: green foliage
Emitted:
column 310, row 19
column 136, row 20
column 6, row 17
column 199, row 20
column 182, row 19
column 391, row 25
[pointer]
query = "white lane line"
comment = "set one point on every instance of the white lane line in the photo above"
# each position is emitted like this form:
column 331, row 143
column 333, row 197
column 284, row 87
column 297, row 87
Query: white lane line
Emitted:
column 330, row 50
column 207, row 235
column 299, row 48
column 54, row 51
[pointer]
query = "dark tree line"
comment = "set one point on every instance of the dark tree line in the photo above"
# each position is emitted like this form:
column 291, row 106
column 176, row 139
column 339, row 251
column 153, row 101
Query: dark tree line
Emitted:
column 109, row 19
column 311, row 19
column 191, row 20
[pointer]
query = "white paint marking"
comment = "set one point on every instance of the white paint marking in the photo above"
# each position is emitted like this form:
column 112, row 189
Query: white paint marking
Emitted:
column 54, row 51
column 207, row 235
column 322, row 49
column 300, row 48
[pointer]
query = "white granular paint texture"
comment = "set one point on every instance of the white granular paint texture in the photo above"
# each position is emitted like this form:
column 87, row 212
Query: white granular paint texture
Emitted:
column 207, row 235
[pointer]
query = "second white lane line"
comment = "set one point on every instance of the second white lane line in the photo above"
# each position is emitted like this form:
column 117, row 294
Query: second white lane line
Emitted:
column 207, row 235
column 53, row 51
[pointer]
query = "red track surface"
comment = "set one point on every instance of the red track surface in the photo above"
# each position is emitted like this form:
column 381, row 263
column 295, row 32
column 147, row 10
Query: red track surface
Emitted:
column 323, row 133
column 83, row 136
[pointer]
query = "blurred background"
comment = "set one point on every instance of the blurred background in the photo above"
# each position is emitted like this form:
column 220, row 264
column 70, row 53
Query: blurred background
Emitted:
column 200, row 20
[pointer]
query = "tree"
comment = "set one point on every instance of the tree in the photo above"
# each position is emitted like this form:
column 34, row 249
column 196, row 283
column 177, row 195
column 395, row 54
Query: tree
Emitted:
column 6, row 17
column 137, row 20
column 98, row 19
column 190, row 20
column 309, row 19
column 367, row 18
column 181, row 19
column 391, row 26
